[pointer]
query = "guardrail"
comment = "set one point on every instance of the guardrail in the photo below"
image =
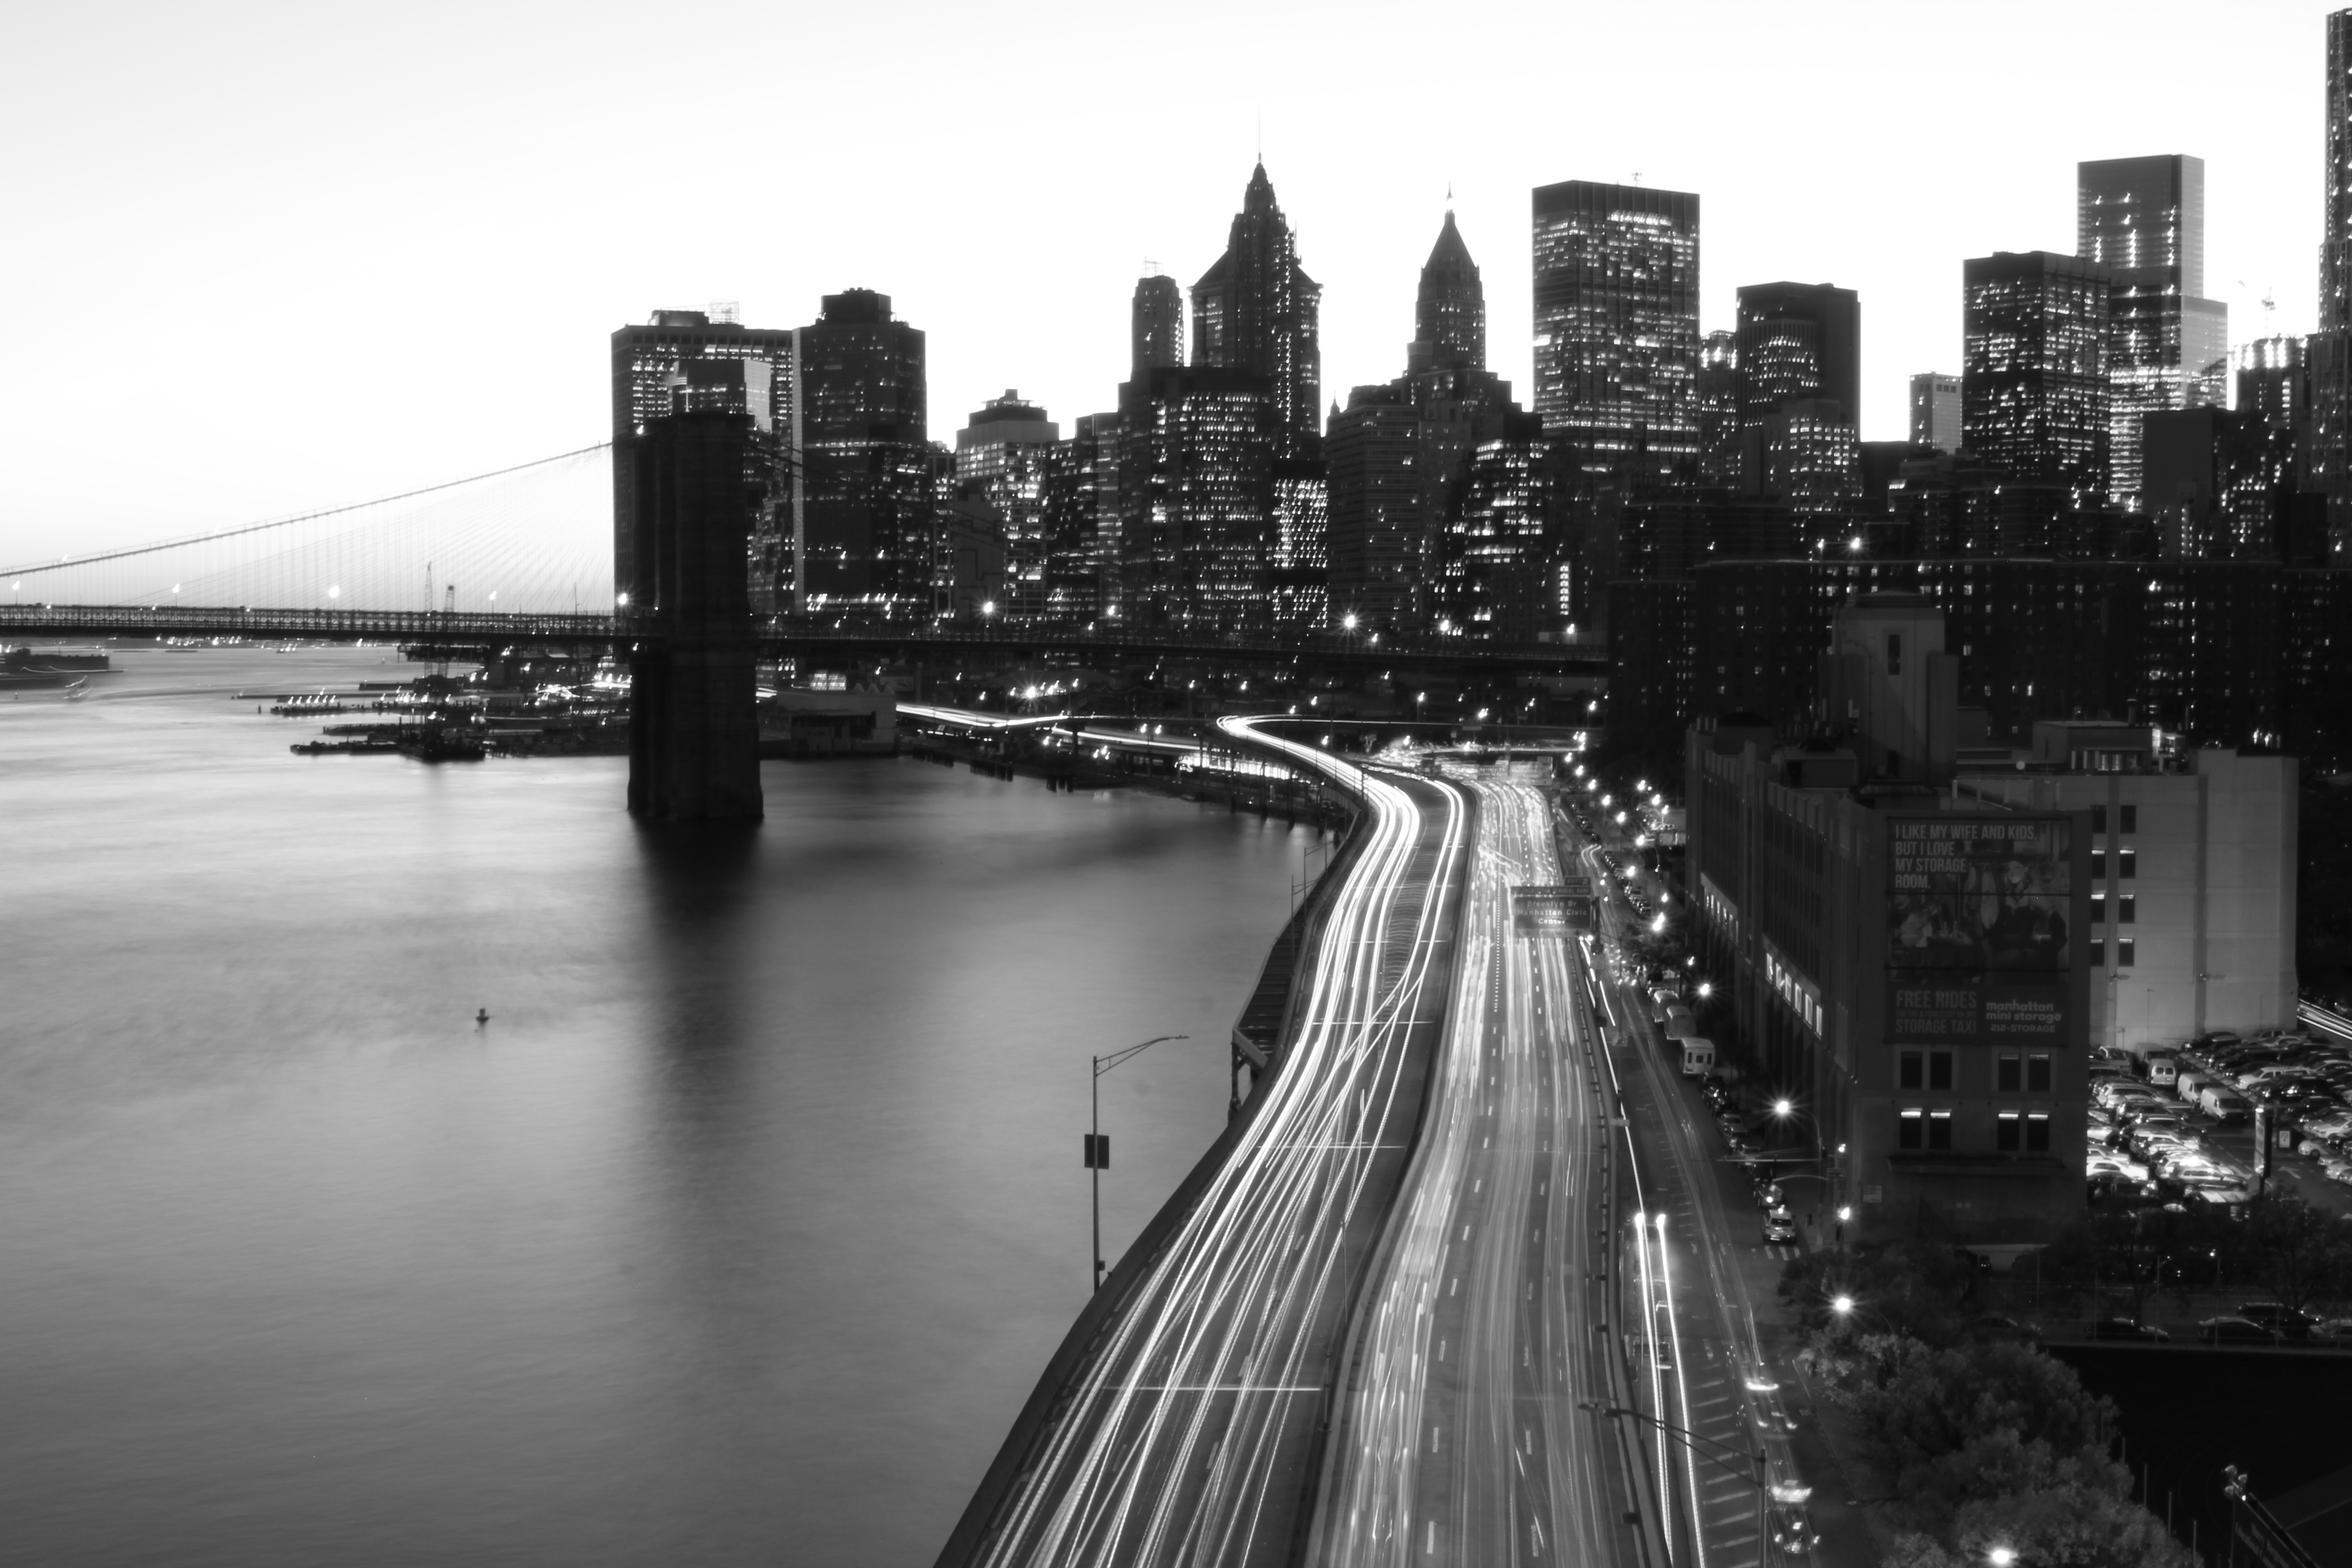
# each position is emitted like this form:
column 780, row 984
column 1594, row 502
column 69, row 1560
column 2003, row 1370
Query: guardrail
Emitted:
column 2325, row 1019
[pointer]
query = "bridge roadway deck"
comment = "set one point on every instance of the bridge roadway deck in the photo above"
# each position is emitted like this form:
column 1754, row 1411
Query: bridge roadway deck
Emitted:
column 789, row 637
column 1189, row 1431
column 1460, row 1438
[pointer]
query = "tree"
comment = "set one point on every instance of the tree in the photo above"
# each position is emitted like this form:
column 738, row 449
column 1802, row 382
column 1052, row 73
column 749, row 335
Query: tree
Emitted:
column 2134, row 1253
column 1954, row 1426
column 2296, row 1254
column 1913, row 1289
column 2053, row 1526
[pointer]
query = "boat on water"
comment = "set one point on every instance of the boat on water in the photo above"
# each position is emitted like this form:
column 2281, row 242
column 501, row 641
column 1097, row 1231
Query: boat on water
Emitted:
column 46, row 668
column 78, row 691
column 439, row 743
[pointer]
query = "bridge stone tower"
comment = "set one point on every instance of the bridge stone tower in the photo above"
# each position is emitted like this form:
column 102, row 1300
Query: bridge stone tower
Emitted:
column 694, row 740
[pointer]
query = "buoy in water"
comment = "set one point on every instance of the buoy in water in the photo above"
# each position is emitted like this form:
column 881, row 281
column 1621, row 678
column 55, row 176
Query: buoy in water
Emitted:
column 482, row 1017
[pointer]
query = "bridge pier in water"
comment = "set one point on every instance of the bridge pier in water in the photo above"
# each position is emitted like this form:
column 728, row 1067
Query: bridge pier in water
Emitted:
column 693, row 737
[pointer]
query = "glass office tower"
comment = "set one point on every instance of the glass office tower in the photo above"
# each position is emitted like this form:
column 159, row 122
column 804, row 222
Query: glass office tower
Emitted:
column 1616, row 327
column 2033, row 383
column 2143, row 219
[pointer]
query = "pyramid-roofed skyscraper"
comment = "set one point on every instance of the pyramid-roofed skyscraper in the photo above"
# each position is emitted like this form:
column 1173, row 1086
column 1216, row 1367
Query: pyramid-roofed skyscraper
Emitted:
column 1449, row 319
column 1256, row 311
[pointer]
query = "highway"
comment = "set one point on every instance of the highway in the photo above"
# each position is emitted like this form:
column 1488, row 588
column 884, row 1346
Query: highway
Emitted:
column 1463, row 1434
column 1188, row 1434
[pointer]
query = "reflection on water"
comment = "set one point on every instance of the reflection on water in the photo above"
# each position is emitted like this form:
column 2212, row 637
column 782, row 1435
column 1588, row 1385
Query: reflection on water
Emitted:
column 738, row 1233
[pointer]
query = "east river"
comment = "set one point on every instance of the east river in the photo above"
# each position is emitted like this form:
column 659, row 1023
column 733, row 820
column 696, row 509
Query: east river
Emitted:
column 738, row 1235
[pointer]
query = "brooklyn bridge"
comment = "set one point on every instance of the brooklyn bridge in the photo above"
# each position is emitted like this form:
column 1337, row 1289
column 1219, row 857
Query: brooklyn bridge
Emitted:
column 524, row 558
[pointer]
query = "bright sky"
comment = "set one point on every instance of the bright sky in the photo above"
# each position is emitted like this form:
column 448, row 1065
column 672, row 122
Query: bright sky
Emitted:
column 263, row 259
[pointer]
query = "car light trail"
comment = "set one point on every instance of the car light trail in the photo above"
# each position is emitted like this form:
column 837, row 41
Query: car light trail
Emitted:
column 1173, row 1434
column 1454, row 1438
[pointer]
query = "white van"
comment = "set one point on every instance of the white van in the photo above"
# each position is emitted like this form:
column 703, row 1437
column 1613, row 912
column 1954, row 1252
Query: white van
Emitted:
column 2188, row 1081
column 1698, row 1056
column 2162, row 1068
column 2223, row 1103
column 1680, row 1025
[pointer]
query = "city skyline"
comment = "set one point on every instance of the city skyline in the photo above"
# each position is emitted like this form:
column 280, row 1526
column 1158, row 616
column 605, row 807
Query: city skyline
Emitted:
column 488, row 208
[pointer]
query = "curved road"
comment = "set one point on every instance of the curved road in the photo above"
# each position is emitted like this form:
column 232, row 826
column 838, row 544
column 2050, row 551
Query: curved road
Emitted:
column 1188, row 1435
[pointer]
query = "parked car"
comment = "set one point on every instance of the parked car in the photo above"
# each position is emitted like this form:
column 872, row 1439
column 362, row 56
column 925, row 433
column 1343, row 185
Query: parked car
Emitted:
column 2334, row 1331
column 2236, row 1332
column 1998, row 1326
column 2291, row 1321
column 2126, row 1329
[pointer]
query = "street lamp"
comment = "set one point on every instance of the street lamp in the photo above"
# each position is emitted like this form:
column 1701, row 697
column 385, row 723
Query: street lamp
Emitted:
column 2000, row 1557
column 1097, row 1145
column 1691, row 1440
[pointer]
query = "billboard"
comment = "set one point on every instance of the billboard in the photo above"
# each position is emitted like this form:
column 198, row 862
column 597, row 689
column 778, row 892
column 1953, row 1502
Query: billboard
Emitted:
column 1978, row 941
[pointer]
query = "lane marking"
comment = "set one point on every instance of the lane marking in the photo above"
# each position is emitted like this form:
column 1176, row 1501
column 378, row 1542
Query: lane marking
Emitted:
column 1221, row 1388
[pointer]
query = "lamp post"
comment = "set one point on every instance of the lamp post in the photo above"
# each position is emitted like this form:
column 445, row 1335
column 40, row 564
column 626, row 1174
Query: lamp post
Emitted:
column 1843, row 1307
column 1691, row 1440
column 1097, row 1145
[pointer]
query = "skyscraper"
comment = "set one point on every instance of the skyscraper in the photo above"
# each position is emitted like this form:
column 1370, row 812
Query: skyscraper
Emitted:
column 1400, row 454
column 865, row 504
column 1616, row 325
column 2034, row 384
column 649, row 364
column 1257, row 311
column 1718, row 411
column 2143, row 219
column 2331, row 345
column 2270, row 486
column 1157, row 325
column 1449, row 318
column 1936, row 411
column 1198, row 533
column 1081, row 505
column 1299, row 577
column 1002, row 459
column 1379, row 514
column 2274, row 391
column 1500, row 555
column 1797, row 342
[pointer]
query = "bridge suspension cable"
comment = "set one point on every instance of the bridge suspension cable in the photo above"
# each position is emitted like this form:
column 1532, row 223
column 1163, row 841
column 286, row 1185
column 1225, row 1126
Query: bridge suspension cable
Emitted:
column 529, row 538
column 63, row 562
